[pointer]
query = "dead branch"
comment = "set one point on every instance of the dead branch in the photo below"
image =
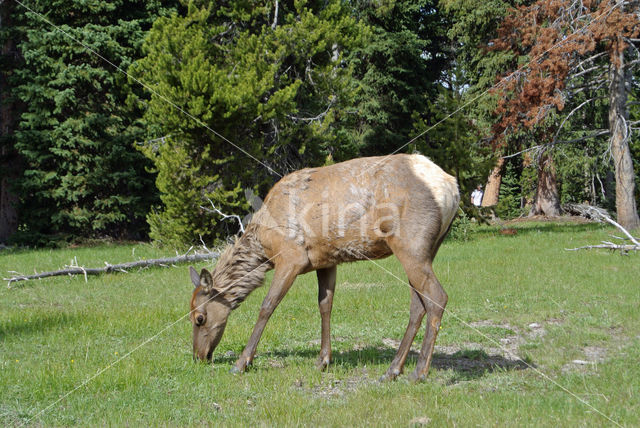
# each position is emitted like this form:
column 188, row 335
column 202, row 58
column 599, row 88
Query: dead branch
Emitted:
column 601, row 216
column 224, row 216
column 109, row 268
column 608, row 246
column 560, row 128
column 586, row 137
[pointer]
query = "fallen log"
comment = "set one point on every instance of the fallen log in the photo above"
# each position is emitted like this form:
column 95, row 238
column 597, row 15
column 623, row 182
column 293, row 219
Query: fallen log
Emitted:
column 587, row 211
column 601, row 216
column 109, row 268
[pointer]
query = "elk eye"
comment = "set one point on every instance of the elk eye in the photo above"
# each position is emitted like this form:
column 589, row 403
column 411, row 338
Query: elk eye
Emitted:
column 199, row 319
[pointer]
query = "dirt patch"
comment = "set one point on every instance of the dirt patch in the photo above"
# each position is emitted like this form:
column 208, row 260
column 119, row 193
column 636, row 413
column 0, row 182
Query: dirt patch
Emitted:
column 420, row 422
column 333, row 388
column 536, row 330
column 508, row 344
column 595, row 353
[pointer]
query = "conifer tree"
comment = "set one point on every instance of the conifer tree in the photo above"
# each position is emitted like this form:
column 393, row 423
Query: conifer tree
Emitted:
column 75, row 134
column 270, row 78
column 397, row 71
column 572, row 47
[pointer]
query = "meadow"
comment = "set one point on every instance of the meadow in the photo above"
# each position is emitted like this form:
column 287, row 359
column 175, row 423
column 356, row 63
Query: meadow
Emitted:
column 533, row 335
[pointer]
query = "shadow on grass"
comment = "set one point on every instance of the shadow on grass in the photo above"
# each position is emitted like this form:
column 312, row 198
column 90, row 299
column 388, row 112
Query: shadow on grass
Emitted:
column 37, row 325
column 467, row 364
column 471, row 364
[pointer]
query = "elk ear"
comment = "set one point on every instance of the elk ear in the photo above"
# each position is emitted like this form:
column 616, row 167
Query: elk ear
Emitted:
column 195, row 278
column 206, row 281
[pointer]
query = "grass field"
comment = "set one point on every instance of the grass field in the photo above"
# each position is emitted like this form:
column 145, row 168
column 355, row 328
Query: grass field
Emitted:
column 120, row 347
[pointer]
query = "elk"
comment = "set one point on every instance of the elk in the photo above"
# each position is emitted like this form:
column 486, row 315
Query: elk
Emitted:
column 317, row 218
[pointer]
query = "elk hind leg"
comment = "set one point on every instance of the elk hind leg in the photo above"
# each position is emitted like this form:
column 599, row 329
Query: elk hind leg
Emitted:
column 326, row 287
column 428, row 297
column 434, row 299
column 416, row 314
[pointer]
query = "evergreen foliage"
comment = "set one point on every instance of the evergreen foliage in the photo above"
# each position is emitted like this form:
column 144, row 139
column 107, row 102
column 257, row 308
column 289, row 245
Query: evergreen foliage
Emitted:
column 235, row 94
column 397, row 71
column 473, row 24
column 456, row 144
column 75, row 135
column 276, row 86
column 509, row 201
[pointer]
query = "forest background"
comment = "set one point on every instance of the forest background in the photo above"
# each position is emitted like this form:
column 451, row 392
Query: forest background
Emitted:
column 129, row 119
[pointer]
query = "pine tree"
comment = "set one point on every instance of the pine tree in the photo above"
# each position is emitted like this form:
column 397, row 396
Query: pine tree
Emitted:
column 397, row 71
column 571, row 47
column 456, row 144
column 9, row 161
column 82, row 176
column 271, row 79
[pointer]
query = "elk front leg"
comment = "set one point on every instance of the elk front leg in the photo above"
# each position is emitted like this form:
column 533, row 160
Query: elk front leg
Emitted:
column 326, row 287
column 282, row 280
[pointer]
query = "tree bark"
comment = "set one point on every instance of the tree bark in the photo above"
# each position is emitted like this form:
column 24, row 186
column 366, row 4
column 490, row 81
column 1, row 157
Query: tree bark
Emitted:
column 8, row 214
column 619, row 141
column 492, row 189
column 547, row 199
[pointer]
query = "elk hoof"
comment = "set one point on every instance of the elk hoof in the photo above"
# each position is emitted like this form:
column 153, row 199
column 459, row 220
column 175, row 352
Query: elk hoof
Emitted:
column 323, row 363
column 414, row 377
column 390, row 375
column 239, row 367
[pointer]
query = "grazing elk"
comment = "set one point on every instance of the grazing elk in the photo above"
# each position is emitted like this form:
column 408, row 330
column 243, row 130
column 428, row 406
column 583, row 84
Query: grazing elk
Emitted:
column 317, row 218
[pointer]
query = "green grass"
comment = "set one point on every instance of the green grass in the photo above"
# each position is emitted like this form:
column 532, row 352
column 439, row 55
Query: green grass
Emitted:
column 56, row 334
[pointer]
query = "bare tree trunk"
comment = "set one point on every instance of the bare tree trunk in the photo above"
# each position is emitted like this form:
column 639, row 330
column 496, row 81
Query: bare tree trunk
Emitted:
column 618, row 118
column 275, row 16
column 492, row 189
column 8, row 215
column 547, row 199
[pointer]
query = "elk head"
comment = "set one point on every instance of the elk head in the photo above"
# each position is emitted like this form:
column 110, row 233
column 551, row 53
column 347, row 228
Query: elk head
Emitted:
column 209, row 313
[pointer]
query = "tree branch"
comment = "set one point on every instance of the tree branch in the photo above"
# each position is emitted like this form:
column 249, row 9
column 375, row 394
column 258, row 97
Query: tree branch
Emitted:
column 224, row 216
column 275, row 16
column 586, row 137
column 547, row 145
column 600, row 215
column 555, row 137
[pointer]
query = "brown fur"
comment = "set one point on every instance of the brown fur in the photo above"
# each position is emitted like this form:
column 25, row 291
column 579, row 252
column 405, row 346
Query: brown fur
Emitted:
column 241, row 268
column 317, row 218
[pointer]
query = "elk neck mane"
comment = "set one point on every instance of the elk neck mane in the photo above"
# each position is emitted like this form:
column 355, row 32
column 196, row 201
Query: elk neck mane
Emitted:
column 241, row 269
